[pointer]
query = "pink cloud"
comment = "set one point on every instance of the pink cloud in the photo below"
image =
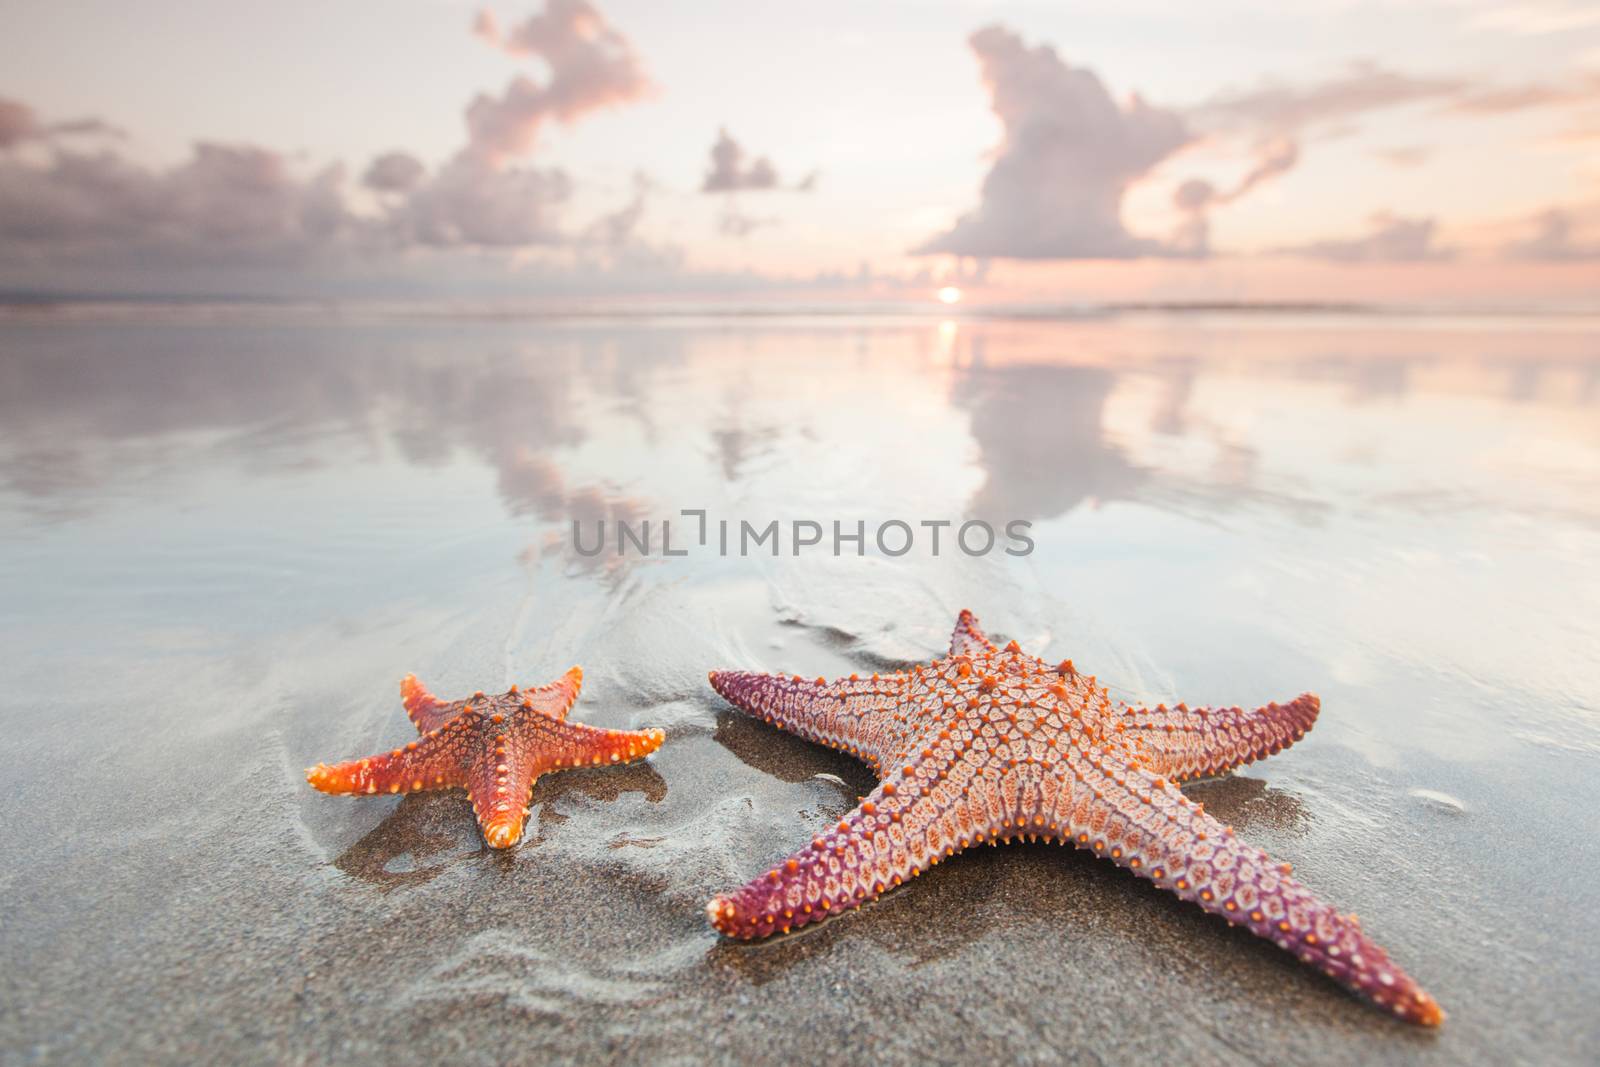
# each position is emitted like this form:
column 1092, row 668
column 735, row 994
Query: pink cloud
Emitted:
column 1196, row 197
column 394, row 172
column 1068, row 155
column 1404, row 155
column 1555, row 240
column 590, row 66
column 19, row 124
column 246, row 205
column 470, row 201
column 1277, row 116
column 730, row 170
column 1391, row 239
column 1505, row 99
column 1283, row 108
column 225, row 201
column 481, row 196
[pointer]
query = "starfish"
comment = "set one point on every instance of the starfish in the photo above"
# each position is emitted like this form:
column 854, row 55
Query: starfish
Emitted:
column 494, row 746
column 994, row 744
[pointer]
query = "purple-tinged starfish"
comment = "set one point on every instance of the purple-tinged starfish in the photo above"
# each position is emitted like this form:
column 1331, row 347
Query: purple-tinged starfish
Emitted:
column 493, row 746
column 994, row 744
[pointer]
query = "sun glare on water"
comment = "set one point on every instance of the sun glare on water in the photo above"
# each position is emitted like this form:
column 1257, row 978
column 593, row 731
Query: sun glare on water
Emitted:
column 949, row 295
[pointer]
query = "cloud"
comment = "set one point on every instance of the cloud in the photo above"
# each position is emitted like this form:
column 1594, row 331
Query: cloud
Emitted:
column 1195, row 198
column 732, row 223
column 1276, row 156
column 1363, row 87
column 1068, row 155
column 591, row 66
column 1579, row 134
column 1512, row 98
column 1404, row 155
column 1393, row 239
column 616, row 229
column 731, row 171
column 472, row 201
column 224, row 202
column 611, row 245
column 19, row 124
column 394, row 172
column 1278, row 116
column 246, row 205
column 1533, row 18
column 1553, row 241
column 483, row 197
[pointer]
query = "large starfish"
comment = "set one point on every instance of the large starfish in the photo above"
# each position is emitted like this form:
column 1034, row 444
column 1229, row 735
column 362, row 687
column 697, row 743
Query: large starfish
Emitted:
column 994, row 744
column 494, row 746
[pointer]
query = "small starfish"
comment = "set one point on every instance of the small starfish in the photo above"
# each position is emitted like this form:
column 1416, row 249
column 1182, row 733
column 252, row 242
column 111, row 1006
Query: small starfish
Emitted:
column 494, row 746
column 994, row 744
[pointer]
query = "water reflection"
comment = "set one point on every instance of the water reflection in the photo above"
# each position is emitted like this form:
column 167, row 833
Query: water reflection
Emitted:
column 83, row 409
column 1367, row 378
column 88, row 407
column 736, row 445
column 1041, row 442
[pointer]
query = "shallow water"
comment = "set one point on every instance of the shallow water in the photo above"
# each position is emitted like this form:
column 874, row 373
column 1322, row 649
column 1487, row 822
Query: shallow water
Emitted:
column 227, row 534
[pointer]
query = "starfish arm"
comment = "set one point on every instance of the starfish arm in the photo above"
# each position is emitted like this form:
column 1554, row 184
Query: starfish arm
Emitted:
column 1185, row 742
column 1142, row 822
column 557, row 698
column 968, row 639
column 429, row 713
column 433, row 761
column 556, row 744
column 942, row 800
column 426, row 711
column 855, row 715
column 871, row 850
column 500, row 784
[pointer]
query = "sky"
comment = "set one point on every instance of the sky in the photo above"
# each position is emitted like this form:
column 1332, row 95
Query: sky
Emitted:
column 1438, row 152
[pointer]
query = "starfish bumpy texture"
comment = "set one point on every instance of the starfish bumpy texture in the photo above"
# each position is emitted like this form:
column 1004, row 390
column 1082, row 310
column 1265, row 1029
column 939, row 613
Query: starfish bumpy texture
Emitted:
column 994, row 744
column 495, row 747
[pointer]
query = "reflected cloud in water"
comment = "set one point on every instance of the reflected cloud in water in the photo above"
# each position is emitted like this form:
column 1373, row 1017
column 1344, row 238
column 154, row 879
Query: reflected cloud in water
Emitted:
column 1041, row 442
column 93, row 408
column 1237, row 427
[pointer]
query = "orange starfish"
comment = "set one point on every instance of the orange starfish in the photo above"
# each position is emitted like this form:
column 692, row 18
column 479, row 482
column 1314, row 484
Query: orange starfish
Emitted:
column 495, row 747
column 994, row 744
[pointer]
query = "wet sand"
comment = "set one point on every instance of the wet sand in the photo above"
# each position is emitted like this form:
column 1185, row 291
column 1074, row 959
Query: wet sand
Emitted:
column 227, row 538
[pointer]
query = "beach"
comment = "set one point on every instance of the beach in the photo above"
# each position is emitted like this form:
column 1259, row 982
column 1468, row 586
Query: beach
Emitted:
column 229, row 531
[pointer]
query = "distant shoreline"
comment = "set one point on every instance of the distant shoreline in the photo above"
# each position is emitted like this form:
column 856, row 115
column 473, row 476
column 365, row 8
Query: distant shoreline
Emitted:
column 41, row 303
